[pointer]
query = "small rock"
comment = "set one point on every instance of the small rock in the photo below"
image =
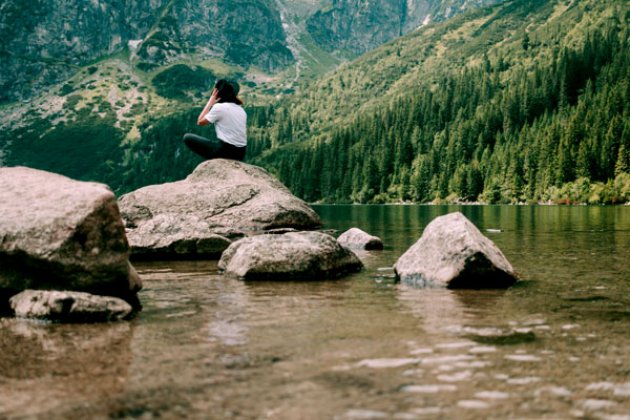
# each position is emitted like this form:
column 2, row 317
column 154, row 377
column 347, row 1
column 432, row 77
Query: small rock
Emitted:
column 355, row 238
column 68, row 306
column 453, row 253
column 298, row 256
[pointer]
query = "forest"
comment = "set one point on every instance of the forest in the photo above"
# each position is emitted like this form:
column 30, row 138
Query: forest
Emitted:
column 557, row 130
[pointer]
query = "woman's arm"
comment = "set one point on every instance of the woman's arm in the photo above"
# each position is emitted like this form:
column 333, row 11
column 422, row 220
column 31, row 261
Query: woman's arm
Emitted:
column 214, row 98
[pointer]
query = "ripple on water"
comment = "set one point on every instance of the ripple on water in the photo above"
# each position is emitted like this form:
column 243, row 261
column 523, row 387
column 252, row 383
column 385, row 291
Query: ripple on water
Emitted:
column 593, row 404
column 523, row 358
column 422, row 351
column 473, row 404
column 364, row 414
column 426, row 411
column 524, row 380
column 600, row 386
column 556, row 391
column 456, row 377
column 428, row 389
column 482, row 349
column 413, row 372
column 386, row 363
column 456, row 345
column 618, row 390
column 446, row 359
column 492, row 395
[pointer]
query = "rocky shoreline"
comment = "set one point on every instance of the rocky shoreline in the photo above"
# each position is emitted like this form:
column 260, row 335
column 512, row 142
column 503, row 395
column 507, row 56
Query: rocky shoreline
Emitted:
column 65, row 245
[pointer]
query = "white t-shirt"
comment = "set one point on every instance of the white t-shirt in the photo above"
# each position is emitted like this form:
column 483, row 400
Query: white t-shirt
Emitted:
column 230, row 122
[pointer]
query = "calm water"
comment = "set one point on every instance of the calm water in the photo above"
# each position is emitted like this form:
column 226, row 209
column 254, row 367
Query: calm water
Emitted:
column 555, row 346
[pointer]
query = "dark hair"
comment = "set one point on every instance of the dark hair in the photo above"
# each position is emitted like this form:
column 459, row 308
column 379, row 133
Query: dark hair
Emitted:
column 228, row 91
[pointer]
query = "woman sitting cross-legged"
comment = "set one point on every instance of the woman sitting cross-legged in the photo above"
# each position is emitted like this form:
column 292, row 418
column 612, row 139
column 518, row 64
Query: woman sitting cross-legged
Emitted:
column 224, row 110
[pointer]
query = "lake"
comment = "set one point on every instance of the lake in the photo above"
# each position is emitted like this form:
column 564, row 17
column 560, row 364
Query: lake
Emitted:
column 557, row 345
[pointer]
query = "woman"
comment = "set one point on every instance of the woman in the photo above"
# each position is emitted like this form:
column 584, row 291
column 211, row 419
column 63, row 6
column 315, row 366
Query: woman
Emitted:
column 224, row 110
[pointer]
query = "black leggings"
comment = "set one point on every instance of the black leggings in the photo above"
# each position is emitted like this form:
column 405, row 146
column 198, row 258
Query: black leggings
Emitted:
column 213, row 149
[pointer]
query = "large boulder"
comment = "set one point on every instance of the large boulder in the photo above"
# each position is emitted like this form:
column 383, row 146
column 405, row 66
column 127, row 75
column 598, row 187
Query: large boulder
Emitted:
column 67, row 306
column 220, row 195
column 453, row 253
column 289, row 256
column 61, row 234
column 355, row 238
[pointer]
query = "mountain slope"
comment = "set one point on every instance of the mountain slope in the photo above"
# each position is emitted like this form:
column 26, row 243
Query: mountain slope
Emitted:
column 507, row 104
column 46, row 42
column 360, row 26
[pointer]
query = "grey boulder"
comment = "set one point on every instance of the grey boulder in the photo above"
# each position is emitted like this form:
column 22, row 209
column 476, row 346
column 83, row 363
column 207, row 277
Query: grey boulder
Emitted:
column 219, row 195
column 66, row 306
column 453, row 253
column 173, row 236
column 355, row 238
column 60, row 234
column 289, row 256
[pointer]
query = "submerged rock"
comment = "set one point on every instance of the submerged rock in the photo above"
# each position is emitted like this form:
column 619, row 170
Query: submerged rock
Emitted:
column 355, row 238
column 220, row 195
column 453, row 253
column 60, row 234
column 67, row 306
column 289, row 256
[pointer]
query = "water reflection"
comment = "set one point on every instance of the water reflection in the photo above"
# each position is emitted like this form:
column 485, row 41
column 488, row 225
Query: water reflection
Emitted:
column 46, row 368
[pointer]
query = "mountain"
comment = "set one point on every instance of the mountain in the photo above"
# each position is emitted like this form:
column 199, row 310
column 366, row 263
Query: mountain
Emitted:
column 46, row 42
column 360, row 26
column 526, row 101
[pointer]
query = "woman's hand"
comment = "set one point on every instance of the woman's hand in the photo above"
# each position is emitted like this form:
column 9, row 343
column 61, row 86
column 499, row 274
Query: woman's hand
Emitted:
column 214, row 98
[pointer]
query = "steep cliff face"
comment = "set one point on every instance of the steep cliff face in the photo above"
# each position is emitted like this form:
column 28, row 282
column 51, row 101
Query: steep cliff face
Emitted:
column 358, row 26
column 42, row 42
column 242, row 32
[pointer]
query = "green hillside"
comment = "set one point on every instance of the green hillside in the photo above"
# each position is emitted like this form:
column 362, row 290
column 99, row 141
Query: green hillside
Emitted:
column 527, row 101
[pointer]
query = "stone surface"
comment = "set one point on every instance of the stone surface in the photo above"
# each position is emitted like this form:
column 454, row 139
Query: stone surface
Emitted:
column 68, row 306
column 61, row 234
column 453, row 253
column 169, row 236
column 355, row 238
column 219, row 196
column 291, row 256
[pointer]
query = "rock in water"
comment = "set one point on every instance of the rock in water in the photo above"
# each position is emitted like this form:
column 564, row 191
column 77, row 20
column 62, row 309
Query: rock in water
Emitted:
column 291, row 256
column 355, row 238
column 220, row 194
column 61, row 234
column 69, row 306
column 453, row 253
